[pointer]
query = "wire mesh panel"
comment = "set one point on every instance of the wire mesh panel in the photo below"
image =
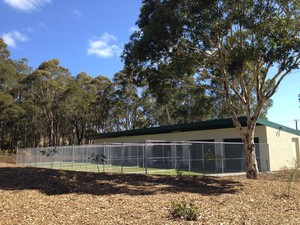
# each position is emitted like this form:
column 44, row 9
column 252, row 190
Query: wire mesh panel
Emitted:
column 148, row 157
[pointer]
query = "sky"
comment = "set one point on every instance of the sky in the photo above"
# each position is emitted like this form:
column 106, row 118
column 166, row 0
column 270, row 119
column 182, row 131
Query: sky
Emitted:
column 89, row 36
column 86, row 36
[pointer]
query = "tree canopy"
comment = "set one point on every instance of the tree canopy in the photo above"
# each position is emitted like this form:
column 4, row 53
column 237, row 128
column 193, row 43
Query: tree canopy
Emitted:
column 48, row 106
column 229, row 47
column 190, row 60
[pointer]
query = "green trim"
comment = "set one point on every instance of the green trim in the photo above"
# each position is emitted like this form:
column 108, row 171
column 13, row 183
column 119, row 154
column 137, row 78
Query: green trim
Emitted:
column 278, row 126
column 203, row 125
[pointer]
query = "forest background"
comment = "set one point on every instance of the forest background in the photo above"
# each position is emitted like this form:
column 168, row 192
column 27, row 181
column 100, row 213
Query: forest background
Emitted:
column 44, row 101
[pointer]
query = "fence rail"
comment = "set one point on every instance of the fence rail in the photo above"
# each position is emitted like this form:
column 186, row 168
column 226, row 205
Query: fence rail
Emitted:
column 148, row 157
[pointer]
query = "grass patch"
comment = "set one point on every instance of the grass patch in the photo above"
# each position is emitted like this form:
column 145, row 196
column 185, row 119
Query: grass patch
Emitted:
column 92, row 167
column 174, row 173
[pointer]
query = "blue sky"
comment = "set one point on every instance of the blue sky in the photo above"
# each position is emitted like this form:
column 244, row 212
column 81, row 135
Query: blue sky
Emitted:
column 88, row 36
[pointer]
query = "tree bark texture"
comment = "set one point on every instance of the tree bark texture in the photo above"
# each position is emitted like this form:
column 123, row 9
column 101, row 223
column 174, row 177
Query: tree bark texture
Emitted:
column 251, row 162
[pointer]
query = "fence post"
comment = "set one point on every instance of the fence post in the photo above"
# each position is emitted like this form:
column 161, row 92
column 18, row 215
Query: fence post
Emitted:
column 104, row 150
column 17, row 156
column 202, row 156
column 145, row 157
column 62, row 157
column 137, row 155
column 85, row 158
column 72, row 157
column 106, row 157
column 122, row 162
column 189, row 156
column 175, row 155
column 222, row 159
column 36, row 157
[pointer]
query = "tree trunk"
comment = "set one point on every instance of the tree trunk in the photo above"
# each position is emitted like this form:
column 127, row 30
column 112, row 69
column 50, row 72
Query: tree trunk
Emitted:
column 251, row 162
column 249, row 146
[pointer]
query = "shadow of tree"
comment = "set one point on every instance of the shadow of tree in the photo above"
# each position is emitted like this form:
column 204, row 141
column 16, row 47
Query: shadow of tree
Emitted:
column 54, row 182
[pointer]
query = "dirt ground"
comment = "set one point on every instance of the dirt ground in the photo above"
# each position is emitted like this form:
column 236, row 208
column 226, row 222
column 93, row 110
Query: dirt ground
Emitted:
column 44, row 196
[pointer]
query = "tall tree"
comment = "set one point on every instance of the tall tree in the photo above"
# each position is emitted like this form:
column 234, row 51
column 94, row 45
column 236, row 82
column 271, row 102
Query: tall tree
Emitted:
column 128, row 110
column 46, row 85
column 4, row 52
column 11, row 111
column 234, row 43
column 102, row 105
column 77, row 100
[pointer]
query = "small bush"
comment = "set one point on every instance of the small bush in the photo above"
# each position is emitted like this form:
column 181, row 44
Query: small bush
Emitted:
column 98, row 158
column 184, row 210
column 179, row 173
column 291, row 174
column 49, row 152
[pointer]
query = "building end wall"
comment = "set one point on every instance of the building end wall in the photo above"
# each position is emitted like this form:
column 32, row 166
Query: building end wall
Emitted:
column 284, row 148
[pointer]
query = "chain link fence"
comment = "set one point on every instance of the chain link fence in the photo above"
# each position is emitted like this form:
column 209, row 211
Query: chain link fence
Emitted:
column 149, row 157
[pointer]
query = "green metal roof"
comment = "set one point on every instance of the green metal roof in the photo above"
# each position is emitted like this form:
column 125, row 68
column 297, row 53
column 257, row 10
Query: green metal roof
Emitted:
column 203, row 125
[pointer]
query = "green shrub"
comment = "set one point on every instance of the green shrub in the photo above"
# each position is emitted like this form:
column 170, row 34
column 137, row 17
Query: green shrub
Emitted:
column 184, row 210
column 291, row 174
column 179, row 173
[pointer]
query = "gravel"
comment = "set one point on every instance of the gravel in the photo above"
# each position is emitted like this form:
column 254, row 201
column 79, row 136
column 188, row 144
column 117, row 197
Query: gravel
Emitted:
column 45, row 196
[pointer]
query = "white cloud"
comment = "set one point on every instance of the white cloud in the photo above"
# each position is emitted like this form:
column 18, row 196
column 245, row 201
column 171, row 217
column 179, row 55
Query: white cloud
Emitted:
column 29, row 29
column 12, row 37
column 42, row 25
column 76, row 14
column 27, row 5
column 102, row 46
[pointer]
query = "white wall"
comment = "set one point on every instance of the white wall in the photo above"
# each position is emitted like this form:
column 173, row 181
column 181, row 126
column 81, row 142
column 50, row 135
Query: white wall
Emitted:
column 284, row 148
column 217, row 134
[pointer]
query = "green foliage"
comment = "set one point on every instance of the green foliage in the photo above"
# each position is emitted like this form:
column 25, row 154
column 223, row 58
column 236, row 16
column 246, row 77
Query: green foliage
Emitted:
column 184, row 210
column 209, row 159
column 179, row 173
column 226, row 47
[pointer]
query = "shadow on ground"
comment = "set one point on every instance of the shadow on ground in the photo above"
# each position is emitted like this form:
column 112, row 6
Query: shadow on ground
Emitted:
column 53, row 182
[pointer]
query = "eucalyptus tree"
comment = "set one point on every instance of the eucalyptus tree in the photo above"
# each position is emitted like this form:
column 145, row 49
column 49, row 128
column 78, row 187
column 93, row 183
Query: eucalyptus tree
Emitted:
column 4, row 52
column 194, row 105
column 17, row 114
column 11, row 97
column 178, row 102
column 221, row 110
column 45, row 87
column 126, row 106
column 102, row 105
column 77, row 102
column 247, row 46
column 7, row 72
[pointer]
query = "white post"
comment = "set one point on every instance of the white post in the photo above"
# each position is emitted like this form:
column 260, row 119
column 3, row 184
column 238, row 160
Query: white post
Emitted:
column 189, row 156
column 146, row 157
column 202, row 151
column 36, row 157
column 175, row 155
column 122, row 163
column 72, row 157
column 85, row 159
column 222, row 155
column 106, row 157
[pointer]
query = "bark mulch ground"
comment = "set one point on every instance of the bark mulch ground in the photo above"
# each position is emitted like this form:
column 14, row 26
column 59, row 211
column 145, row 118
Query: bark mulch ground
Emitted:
column 45, row 196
